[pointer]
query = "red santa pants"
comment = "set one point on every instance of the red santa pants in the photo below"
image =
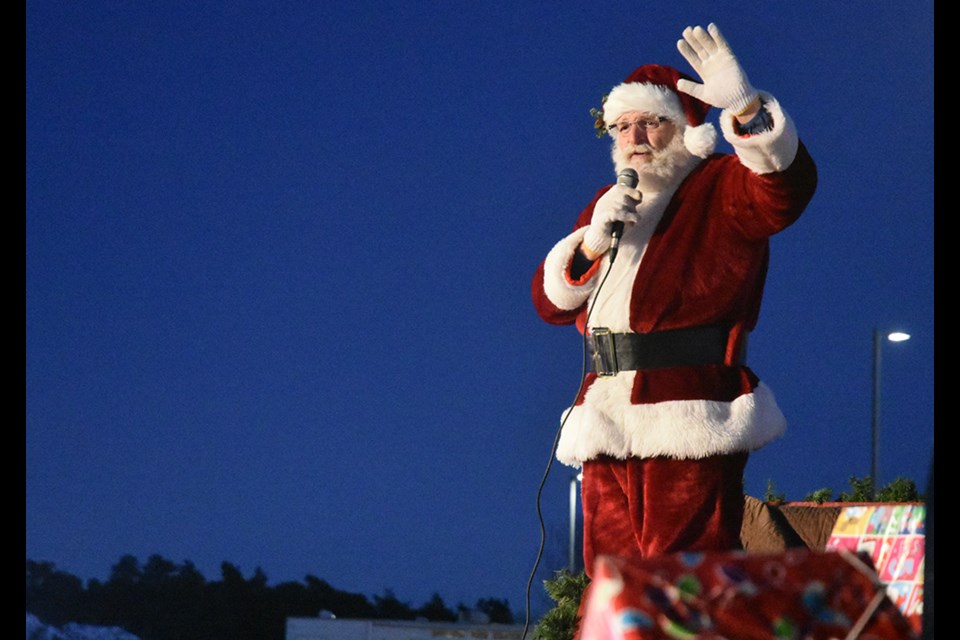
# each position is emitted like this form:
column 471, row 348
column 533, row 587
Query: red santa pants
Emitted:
column 639, row 508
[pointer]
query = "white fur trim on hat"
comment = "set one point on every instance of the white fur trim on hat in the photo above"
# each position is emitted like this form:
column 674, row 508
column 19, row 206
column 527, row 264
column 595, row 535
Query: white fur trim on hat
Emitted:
column 650, row 98
column 701, row 140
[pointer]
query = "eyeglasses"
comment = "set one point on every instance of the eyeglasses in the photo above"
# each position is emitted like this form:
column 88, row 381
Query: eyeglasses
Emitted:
column 648, row 125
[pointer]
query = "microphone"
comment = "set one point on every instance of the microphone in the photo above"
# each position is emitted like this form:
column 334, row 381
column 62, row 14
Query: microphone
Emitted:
column 627, row 177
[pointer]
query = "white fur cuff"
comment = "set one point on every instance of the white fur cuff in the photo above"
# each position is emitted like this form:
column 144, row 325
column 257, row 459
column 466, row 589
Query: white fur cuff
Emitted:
column 559, row 290
column 766, row 152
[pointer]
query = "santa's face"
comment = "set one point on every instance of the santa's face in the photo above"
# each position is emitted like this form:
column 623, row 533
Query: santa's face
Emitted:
column 658, row 155
column 639, row 136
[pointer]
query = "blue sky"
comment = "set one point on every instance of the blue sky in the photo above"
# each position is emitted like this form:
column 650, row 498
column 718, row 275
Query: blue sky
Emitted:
column 278, row 259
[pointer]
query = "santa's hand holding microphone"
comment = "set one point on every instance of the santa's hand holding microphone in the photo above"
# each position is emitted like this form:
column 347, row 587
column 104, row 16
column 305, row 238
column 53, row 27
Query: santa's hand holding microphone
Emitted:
column 616, row 208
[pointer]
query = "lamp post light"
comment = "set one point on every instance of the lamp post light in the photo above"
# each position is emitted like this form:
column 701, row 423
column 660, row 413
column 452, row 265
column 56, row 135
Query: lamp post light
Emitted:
column 572, row 561
column 878, row 338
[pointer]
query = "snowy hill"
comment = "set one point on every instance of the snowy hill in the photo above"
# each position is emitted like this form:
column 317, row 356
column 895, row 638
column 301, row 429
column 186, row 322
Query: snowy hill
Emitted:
column 37, row 630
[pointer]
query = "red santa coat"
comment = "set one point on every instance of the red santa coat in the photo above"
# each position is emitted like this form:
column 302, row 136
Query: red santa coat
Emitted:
column 701, row 260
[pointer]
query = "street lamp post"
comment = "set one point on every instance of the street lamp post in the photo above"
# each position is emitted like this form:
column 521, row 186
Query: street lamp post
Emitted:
column 878, row 337
column 572, row 561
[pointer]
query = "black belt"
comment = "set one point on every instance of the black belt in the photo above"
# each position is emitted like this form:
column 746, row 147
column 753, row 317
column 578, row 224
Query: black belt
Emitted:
column 690, row 347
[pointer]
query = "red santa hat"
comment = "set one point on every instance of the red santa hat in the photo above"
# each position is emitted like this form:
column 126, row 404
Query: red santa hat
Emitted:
column 652, row 88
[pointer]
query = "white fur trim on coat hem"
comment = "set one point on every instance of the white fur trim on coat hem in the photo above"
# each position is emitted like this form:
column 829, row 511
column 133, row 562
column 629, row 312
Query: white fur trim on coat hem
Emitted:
column 560, row 291
column 766, row 152
column 607, row 423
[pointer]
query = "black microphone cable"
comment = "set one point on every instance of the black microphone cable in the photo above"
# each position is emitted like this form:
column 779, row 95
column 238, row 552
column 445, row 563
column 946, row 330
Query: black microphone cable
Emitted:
column 553, row 449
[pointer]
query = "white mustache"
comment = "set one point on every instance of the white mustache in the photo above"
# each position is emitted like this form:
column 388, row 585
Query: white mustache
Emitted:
column 638, row 148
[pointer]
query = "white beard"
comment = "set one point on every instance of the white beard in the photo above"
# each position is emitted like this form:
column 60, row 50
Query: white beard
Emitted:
column 666, row 168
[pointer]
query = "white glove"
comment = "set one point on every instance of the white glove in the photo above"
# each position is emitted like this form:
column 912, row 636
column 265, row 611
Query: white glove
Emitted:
column 725, row 85
column 617, row 204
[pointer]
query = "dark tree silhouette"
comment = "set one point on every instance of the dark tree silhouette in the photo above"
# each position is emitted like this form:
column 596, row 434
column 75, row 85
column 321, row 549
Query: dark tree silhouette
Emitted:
column 436, row 611
column 389, row 608
column 57, row 597
column 161, row 600
column 497, row 610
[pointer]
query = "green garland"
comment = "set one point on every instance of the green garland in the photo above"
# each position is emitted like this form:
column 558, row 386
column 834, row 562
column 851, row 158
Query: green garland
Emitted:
column 560, row 623
column 599, row 125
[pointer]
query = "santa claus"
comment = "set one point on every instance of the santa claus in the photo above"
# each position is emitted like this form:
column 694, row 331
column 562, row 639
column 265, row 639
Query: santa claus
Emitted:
column 666, row 419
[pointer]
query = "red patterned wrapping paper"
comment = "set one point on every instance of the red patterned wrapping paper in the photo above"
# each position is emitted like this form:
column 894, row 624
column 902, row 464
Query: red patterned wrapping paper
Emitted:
column 797, row 595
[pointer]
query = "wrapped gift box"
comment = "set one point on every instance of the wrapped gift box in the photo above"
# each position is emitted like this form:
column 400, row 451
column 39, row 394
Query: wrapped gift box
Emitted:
column 799, row 594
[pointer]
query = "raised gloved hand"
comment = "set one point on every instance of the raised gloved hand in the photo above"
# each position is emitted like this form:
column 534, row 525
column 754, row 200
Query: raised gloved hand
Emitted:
column 617, row 204
column 725, row 85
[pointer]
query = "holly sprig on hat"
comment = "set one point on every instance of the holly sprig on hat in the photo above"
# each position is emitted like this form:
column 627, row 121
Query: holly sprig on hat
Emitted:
column 599, row 124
